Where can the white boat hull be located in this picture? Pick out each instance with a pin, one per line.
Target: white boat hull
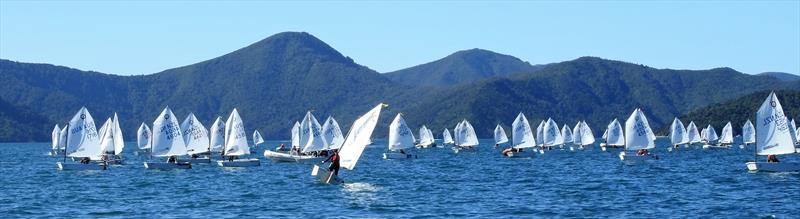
(286, 157)
(167, 166)
(458, 149)
(239, 163)
(773, 167)
(196, 160)
(325, 176)
(523, 154)
(633, 158)
(396, 155)
(709, 146)
(80, 166)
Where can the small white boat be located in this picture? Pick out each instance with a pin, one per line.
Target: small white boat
(582, 136)
(772, 138)
(446, 138)
(251, 162)
(198, 160)
(425, 137)
(81, 141)
(167, 165)
(638, 136)
(677, 134)
(521, 139)
(466, 140)
(287, 157)
(167, 141)
(325, 176)
(613, 136)
(80, 166)
(401, 138)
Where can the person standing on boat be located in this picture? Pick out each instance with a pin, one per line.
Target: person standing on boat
(334, 159)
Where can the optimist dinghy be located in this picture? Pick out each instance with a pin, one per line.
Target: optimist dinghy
(521, 139)
(638, 137)
(81, 141)
(357, 139)
(401, 138)
(236, 144)
(772, 138)
(167, 141)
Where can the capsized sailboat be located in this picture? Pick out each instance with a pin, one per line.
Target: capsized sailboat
(772, 138)
(401, 138)
(81, 141)
(167, 141)
(638, 137)
(357, 139)
(236, 144)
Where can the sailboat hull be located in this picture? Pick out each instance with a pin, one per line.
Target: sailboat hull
(239, 163)
(396, 155)
(773, 167)
(196, 160)
(325, 176)
(286, 157)
(459, 149)
(524, 154)
(167, 166)
(715, 147)
(80, 166)
(631, 158)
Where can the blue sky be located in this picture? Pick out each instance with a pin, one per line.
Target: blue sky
(148, 37)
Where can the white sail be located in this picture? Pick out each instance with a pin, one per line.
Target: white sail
(195, 135)
(457, 132)
(772, 129)
(119, 142)
(62, 138)
(103, 128)
(55, 136)
(500, 135)
(296, 135)
(586, 135)
(704, 134)
(424, 138)
(446, 137)
(637, 131)
(576, 134)
(143, 136)
(748, 133)
(167, 136)
(793, 131)
(400, 136)
(692, 133)
(566, 132)
(711, 134)
(332, 133)
(257, 139)
(540, 133)
(468, 137)
(311, 134)
(217, 137)
(359, 137)
(615, 135)
(82, 137)
(106, 138)
(430, 133)
(235, 136)
(727, 134)
(552, 135)
(521, 133)
(676, 132)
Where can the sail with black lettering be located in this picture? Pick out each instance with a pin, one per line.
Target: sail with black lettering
(772, 129)
(637, 132)
(217, 137)
(167, 136)
(82, 137)
(500, 135)
(400, 135)
(195, 135)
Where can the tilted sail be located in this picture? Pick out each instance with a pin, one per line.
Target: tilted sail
(693, 134)
(637, 132)
(257, 139)
(332, 133)
(500, 135)
(586, 135)
(676, 132)
(82, 137)
(467, 135)
(748, 133)
(540, 133)
(217, 137)
(62, 138)
(446, 137)
(119, 142)
(552, 136)
(727, 134)
(195, 135)
(359, 137)
(772, 129)
(711, 134)
(167, 136)
(521, 133)
(424, 138)
(566, 132)
(311, 134)
(615, 135)
(235, 136)
(296, 135)
(793, 131)
(143, 136)
(400, 136)
(55, 135)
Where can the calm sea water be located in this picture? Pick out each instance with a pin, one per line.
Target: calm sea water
(592, 183)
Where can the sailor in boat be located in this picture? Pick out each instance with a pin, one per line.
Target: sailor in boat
(402, 151)
(643, 152)
(334, 159)
(282, 147)
(85, 160)
(772, 158)
(172, 159)
(511, 149)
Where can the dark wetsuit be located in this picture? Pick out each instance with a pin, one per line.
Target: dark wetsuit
(334, 158)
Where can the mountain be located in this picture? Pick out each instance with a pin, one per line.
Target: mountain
(22, 124)
(588, 88)
(461, 67)
(272, 82)
(782, 76)
(739, 110)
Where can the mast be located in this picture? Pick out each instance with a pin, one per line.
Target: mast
(66, 142)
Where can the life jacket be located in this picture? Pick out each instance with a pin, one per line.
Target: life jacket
(335, 158)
